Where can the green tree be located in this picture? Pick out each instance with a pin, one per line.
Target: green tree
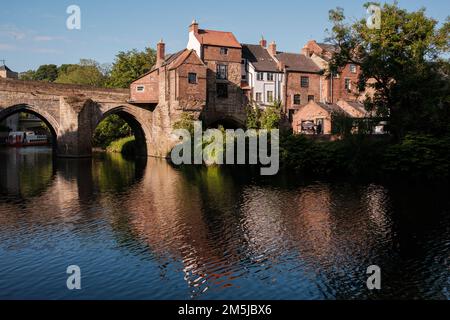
(401, 62)
(111, 129)
(271, 116)
(253, 117)
(87, 72)
(27, 75)
(46, 72)
(129, 65)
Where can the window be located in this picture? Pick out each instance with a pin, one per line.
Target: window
(222, 90)
(243, 61)
(353, 68)
(269, 96)
(224, 51)
(222, 72)
(244, 77)
(311, 98)
(297, 99)
(258, 97)
(260, 76)
(304, 81)
(348, 84)
(140, 88)
(192, 78)
(269, 76)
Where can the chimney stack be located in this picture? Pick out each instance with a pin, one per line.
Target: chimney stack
(160, 53)
(273, 48)
(306, 52)
(263, 42)
(194, 26)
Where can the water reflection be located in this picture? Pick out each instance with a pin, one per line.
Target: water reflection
(143, 229)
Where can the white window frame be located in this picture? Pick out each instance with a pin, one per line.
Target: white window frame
(349, 87)
(260, 76)
(267, 96)
(140, 88)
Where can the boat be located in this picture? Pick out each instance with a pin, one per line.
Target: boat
(26, 139)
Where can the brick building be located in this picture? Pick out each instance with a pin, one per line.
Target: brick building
(340, 86)
(222, 54)
(216, 77)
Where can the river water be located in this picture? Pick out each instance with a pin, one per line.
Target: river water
(142, 229)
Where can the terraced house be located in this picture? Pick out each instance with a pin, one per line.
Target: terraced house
(217, 77)
(262, 75)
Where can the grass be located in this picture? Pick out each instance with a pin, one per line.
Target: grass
(125, 146)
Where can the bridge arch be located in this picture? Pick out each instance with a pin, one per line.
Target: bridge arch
(43, 115)
(135, 121)
(227, 122)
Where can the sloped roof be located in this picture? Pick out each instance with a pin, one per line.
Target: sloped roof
(298, 62)
(357, 105)
(217, 38)
(180, 58)
(259, 57)
(328, 47)
(332, 108)
(5, 68)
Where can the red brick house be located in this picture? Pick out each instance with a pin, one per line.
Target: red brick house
(222, 54)
(301, 80)
(343, 85)
(178, 79)
(316, 118)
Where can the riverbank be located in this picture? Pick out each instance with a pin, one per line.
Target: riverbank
(125, 146)
(421, 157)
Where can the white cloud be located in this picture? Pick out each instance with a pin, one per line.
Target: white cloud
(7, 47)
(47, 38)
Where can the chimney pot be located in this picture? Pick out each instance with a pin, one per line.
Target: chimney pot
(263, 42)
(194, 26)
(273, 48)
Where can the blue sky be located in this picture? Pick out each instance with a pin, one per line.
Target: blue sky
(34, 32)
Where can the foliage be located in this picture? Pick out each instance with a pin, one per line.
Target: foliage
(419, 156)
(130, 65)
(268, 118)
(110, 129)
(253, 117)
(271, 116)
(46, 72)
(27, 75)
(186, 122)
(401, 62)
(125, 146)
(87, 72)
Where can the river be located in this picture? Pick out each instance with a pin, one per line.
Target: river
(143, 229)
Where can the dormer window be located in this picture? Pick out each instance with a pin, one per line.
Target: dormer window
(224, 51)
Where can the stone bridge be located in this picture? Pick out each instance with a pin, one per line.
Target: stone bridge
(72, 113)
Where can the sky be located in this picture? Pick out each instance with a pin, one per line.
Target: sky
(33, 33)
